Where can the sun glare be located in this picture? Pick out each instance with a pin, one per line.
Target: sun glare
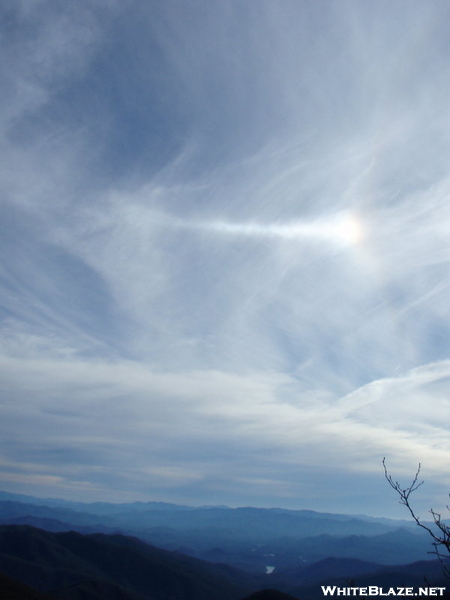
(350, 230)
(343, 229)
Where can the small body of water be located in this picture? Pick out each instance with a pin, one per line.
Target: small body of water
(269, 570)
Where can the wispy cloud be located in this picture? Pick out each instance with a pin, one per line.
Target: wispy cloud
(225, 237)
(169, 431)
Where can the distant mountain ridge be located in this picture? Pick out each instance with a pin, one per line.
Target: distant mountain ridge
(371, 525)
(92, 507)
(248, 538)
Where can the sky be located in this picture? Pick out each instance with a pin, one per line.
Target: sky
(225, 239)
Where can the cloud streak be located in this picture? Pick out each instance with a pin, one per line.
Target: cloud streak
(342, 229)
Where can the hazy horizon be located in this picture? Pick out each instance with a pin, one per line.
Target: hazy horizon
(225, 231)
(406, 517)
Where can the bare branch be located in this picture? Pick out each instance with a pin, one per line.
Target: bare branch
(441, 536)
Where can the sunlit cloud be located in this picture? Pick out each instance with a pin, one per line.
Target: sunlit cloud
(346, 230)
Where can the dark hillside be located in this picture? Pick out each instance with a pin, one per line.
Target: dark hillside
(323, 570)
(269, 594)
(13, 590)
(72, 565)
(98, 589)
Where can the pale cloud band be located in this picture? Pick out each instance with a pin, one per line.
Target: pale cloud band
(342, 229)
(184, 428)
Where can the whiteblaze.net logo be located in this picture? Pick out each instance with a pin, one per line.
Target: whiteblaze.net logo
(374, 590)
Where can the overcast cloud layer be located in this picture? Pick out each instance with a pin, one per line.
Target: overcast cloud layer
(225, 230)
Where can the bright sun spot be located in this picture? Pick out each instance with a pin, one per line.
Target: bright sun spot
(350, 230)
(343, 229)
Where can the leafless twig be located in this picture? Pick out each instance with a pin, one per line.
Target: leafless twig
(441, 535)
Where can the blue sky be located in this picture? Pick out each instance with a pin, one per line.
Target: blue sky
(225, 230)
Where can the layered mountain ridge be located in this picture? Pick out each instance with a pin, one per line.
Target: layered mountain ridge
(155, 551)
